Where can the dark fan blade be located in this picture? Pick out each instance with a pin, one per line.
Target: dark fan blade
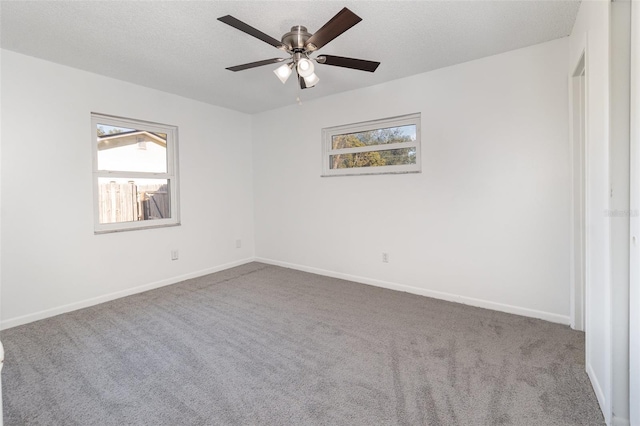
(236, 23)
(302, 83)
(356, 64)
(256, 64)
(340, 23)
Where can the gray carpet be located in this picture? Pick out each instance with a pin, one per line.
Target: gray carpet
(264, 345)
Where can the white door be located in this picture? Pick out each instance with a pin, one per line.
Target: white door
(634, 261)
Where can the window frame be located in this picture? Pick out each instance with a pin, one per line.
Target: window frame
(402, 120)
(171, 175)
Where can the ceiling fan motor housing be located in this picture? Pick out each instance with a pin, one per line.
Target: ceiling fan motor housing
(296, 38)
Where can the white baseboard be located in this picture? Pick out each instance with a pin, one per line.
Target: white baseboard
(561, 319)
(618, 421)
(597, 389)
(548, 316)
(24, 319)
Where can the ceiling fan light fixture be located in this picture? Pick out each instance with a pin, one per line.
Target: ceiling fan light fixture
(305, 67)
(283, 72)
(311, 80)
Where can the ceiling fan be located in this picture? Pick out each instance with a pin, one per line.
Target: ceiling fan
(299, 44)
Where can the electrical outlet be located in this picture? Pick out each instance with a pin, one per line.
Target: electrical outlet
(238, 243)
(385, 257)
(174, 254)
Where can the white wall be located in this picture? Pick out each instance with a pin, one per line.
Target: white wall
(1, 347)
(591, 29)
(52, 261)
(487, 220)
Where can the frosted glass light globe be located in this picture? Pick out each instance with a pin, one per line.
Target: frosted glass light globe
(283, 72)
(305, 67)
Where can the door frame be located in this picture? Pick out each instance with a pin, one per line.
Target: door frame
(579, 289)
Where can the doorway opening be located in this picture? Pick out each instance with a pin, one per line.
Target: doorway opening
(578, 153)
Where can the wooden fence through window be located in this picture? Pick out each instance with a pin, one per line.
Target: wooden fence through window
(128, 202)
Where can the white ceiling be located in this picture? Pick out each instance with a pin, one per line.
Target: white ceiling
(180, 47)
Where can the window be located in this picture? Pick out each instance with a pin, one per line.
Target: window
(390, 145)
(135, 173)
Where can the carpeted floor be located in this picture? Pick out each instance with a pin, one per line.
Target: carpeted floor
(263, 345)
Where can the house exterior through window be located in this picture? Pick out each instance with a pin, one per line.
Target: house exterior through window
(135, 174)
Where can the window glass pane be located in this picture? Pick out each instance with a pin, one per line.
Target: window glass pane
(375, 137)
(131, 150)
(132, 200)
(390, 157)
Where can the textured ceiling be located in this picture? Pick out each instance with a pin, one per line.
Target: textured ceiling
(180, 47)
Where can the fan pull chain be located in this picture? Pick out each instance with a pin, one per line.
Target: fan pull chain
(298, 101)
